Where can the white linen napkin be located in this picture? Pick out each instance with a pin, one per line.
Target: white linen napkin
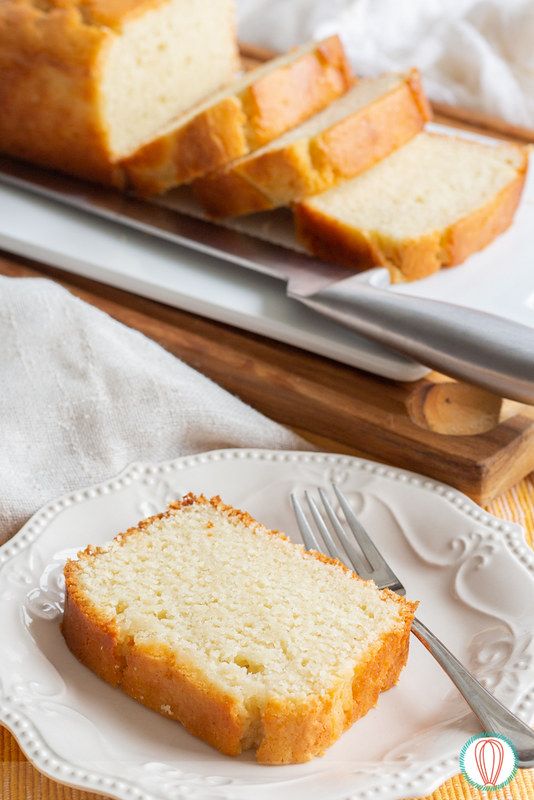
(82, 396)
(478, 54)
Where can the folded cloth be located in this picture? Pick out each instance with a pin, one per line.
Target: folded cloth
(82, 396)
(478, 54)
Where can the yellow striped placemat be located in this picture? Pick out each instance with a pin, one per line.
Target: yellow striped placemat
(20, 781)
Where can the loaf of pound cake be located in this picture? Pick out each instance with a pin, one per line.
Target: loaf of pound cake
(84, 83)
(251, 642)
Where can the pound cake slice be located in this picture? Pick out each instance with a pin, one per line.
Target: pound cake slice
(257, 108)
(248, 640)
(431, 204)
(84, 83)
(369, 122)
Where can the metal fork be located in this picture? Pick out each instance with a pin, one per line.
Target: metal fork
(367, 562)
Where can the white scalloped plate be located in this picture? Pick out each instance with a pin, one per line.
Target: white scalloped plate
(473, 574)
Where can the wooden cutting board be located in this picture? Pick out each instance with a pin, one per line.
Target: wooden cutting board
(446, 430)
(450, 431)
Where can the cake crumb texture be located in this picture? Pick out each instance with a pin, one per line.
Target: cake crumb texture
(429, 205)
(250, 641)
(370, 121)
(247, 114)
(85, 82)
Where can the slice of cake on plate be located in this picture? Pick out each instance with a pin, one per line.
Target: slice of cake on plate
(248, 640)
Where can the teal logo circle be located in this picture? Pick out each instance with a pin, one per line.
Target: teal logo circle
(488, 761)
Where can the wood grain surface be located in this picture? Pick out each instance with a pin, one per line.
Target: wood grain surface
(451, 431)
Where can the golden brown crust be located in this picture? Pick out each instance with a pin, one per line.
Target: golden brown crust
(282, 732)
(90, 636)
(228, 194)
(480, 228)
(309, 166)
(335, 241)
(212, 138)
(240, 123)
(154, 677)
(364, 138)
(298, 733)
(332, 240)
(49, 63)
(110, 13)
(282, 99)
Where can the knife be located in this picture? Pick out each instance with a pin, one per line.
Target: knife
(474, 346)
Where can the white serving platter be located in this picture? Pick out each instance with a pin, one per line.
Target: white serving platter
(473, 575)
(499, 280)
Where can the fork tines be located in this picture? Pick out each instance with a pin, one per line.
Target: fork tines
(342, 536)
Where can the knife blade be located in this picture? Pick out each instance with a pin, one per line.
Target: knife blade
(305, 275)
(467, 344)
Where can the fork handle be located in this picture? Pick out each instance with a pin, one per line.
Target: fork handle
(492, 715)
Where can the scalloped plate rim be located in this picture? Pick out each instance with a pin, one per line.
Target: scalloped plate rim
(102, 784)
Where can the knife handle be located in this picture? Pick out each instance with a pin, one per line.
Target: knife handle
(480, 348)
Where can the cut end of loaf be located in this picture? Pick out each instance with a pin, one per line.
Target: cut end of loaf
(263, 644)
(164, 62)
(85, 83)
